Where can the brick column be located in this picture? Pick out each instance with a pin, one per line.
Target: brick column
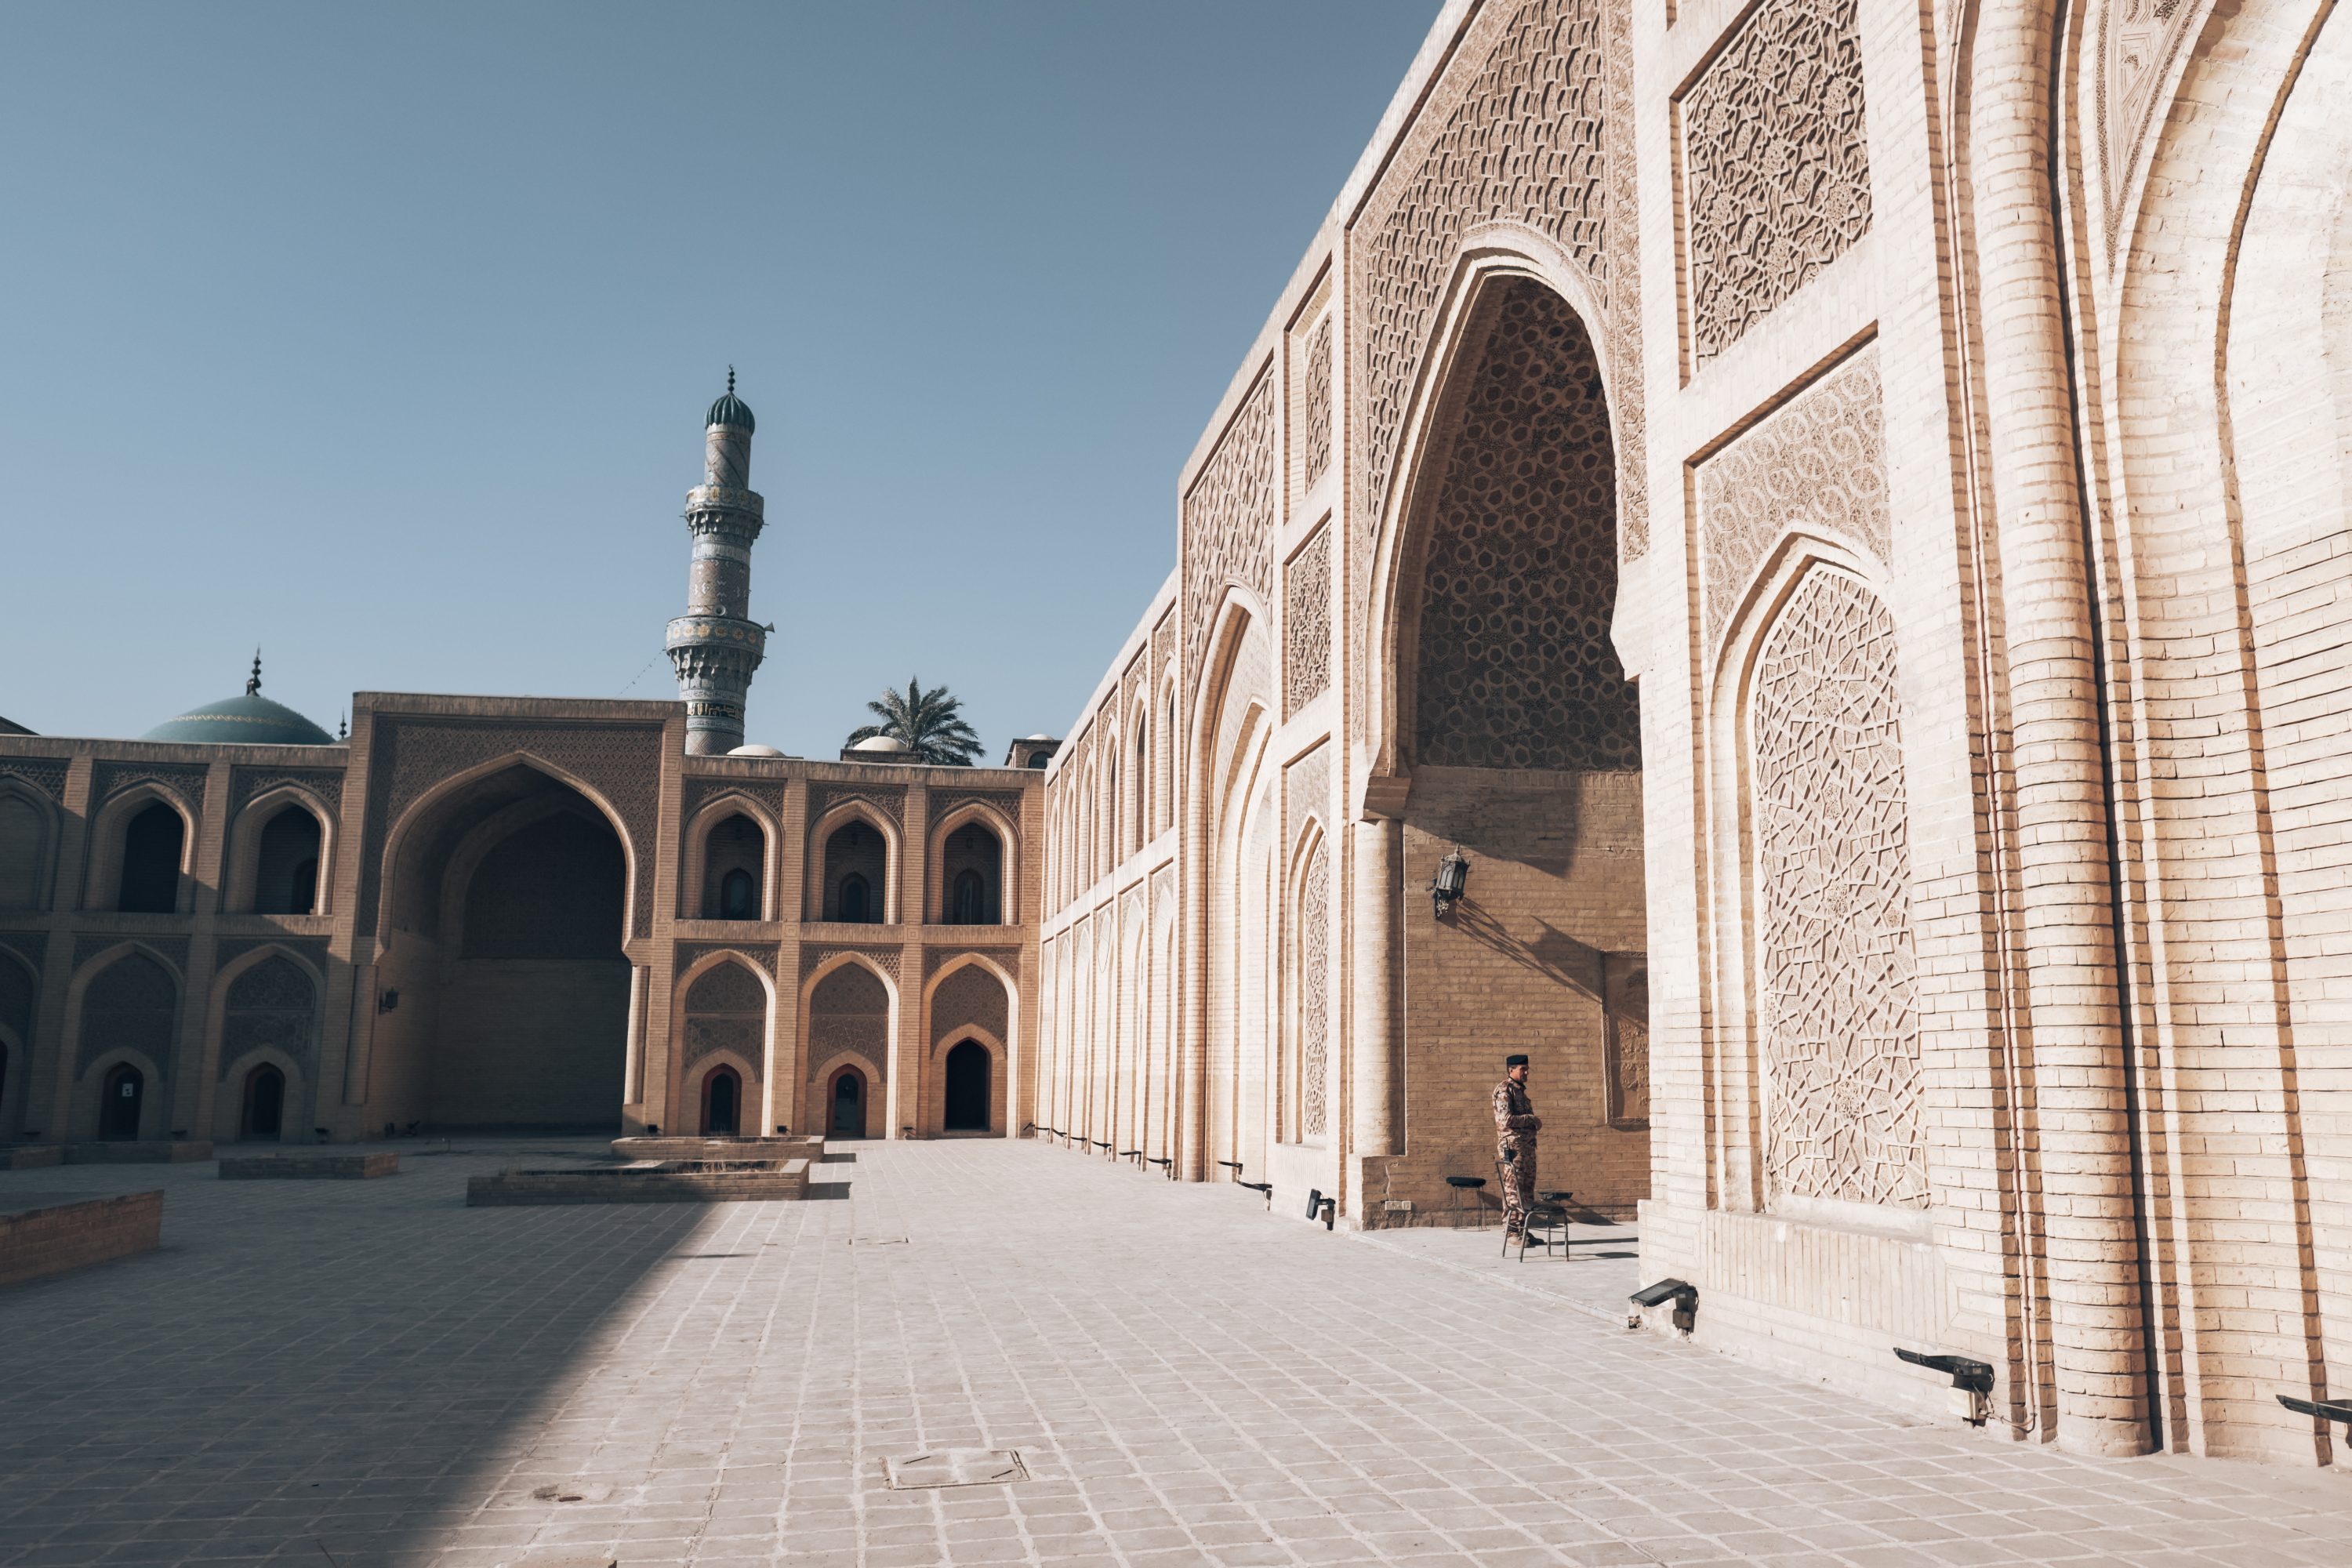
(1372, 1034)
(2075, 1023)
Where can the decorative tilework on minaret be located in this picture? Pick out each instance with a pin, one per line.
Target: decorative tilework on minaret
(715, 646)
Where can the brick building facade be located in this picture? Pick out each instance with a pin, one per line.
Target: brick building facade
(521, 917)
(1837, 512)
(1834, 510)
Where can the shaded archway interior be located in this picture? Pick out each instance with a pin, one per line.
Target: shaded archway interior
(1522, 735)
(507, 906)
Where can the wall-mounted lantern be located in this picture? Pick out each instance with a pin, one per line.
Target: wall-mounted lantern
(1446, 887)
(389, 1001)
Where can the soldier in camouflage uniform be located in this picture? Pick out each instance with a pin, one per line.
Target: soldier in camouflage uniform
(1516, 1126)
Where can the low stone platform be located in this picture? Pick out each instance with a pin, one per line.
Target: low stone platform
(648, 1182)
(308, 1167)
(696, 1147)
(142, 1152)
(32, 1156)
(49, 1233)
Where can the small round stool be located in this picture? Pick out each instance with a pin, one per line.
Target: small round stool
(1469, 1187)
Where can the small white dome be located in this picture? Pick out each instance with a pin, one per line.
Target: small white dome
(755, 752)
(1040, 735)
(881, 743)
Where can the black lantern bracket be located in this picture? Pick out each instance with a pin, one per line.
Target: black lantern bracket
(1453, 879)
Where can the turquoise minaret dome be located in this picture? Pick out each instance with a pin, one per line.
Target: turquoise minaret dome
(251, 719)
(716, 646)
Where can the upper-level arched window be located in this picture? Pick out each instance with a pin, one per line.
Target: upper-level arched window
(971, 868)
(24, 851)
(286, 873)
(152, 842)
(856, 857)
(1137, 829)
(734, 862)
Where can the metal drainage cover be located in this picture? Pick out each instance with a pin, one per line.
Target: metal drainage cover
(955, 1467)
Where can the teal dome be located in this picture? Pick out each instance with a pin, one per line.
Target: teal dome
(251, 719)
(731, 410)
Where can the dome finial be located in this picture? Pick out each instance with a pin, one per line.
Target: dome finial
(730, 410)
(253, 681)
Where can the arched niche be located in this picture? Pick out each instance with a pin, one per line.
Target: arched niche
(1811, 852)
(20, 989)
(504, 917)
(849, 1015)
(726, 1015)
(853, 866)
(1497, 693)
(971, 998)
(28, 839)
(729, 862)
(266, 1010)
(1234, 779)
(972, 878)
(1304, 1079)
(123, 1010)
(143, 845)
(280, 855)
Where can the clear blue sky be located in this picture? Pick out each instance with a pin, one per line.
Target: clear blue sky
(381, 336)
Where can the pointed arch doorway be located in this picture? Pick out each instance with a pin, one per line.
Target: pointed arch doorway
(845, 1105)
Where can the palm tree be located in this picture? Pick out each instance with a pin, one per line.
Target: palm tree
(930, 722)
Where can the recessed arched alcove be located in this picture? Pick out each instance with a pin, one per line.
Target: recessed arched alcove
(1514, 719)
(503, 996)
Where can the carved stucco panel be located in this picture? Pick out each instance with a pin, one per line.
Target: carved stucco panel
(971, 997)
(46, 774)
(1306, 623)
(1519, 130)
(1316, 436)
(1315, 993)
(1836, 970)
(1229, 519)
(1818, 462)
(1776, 164)
(1515, 666)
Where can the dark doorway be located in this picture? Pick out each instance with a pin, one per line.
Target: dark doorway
(285, 872)
(151, 862)
(738, 896)
(265, 1101)
(848, 1118)
(722, 1102)
(967, 1108)
(125, 1092)
(854, 899)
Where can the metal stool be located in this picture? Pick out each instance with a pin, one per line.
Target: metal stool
(1472, 1187)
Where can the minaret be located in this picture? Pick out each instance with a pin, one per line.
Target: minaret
(714, 645)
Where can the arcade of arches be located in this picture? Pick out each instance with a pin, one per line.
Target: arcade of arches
(1892, 739)
(1864, 619)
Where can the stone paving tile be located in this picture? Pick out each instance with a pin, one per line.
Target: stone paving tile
(372, 1371)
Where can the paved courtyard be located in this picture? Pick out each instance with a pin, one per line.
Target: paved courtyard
(372, 1374)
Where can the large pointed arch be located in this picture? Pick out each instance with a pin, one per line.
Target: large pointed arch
(1493, 258)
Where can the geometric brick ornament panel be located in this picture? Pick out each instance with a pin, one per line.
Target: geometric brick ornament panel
(1516, 668)
(1838, 978)
(1816, 464)
(1777, 163)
